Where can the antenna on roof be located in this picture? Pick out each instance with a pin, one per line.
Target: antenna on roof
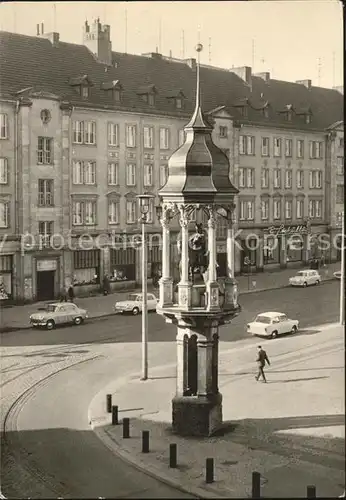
(209, 50)
(319, 71)
(183, 45)
(253, 55)
(333, 69)
(125, 30)
(160, 22)
(54, 17)
(14, 18)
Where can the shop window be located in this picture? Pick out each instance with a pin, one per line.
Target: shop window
(86, 267)
(271, 250)
(123, 264)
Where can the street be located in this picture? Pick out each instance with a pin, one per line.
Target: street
(50, 377)
(311, 306)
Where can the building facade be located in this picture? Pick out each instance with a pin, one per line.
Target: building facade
(82, 137)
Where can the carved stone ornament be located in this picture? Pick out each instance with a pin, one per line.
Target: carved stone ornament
(183, 297)
(211, 216)
(214, 296)
(184, 216)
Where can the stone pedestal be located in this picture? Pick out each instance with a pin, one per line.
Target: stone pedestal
(166, 292)
(197, 415)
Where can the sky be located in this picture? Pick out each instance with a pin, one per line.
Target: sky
(293, 39)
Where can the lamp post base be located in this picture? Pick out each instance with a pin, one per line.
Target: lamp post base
(197, 415)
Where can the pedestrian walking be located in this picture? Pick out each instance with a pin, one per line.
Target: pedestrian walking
(70, 294)
(261, 360)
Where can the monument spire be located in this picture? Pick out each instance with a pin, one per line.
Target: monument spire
(197, 121)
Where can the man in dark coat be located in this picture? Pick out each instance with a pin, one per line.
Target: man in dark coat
(261, 360)
(70, 292)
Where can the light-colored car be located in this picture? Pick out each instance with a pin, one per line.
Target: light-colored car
(272, 324)
(337, 275)
(306, 278)
(58, 313)
(133, 303)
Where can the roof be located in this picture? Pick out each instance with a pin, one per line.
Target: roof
(30, 61)
(271, 314)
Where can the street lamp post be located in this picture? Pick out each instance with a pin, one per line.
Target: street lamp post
(144, 207)
(342, 280)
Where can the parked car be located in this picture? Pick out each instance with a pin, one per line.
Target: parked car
(272, 324)
(133, 303)
(58, 313)
(306, 278)
(337, 275)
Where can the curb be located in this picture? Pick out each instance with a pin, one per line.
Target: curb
(138, 463)
(8, 329)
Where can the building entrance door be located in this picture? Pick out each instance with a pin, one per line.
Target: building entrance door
(45, 285)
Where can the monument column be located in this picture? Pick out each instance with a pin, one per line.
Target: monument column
(182, 361)
(166, 281)
(212, 286)
(184, 285)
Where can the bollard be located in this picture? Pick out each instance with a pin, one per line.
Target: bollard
(115, 419)
(145, 441)
(126, 428)
(173, 456)
(209, 470)
(256, 485)
(109, 403)
(311, 491)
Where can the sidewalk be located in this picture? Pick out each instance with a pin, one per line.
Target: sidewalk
(290, 430)
(17, 317)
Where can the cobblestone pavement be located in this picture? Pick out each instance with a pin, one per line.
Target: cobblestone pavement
(17, 317)
(291, 430)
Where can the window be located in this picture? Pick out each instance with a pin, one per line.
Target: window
(246, 145)
(223, 132)
(78, 132)
(45, 231)
(277, 146)
(4, 214)
(3, 171)
(264, 209)
(77, 217)
(288, 209)
(84, 91)
(265, 146)
(151, 99)
(340, 165)
(315, 149)
(340, 193)
(300, 179)
(181, 137)
(131, 136)
(178, 102)
(130, 174)
(90, 172)
(131, 211)
(89, 213)
(164, 138)
(341, 142)
(300, 209)
(277, 209)
(300, 148)
(163, 174)
(78, 172)
(288, 148)
(246, 177)
(148, 137)
(246, 210)
(266, 112)
(307, 119)
(113, 169)
(45, 192)
(315, 179)
(3, 126)
(44, 151)
(288, 179)
(90, 132)
(265, 178)
(113, 212)
(315, 209)
(148, 175)
(117, 95)
(277, 178)
(113, 134)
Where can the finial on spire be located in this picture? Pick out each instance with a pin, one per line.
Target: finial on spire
(197, 120)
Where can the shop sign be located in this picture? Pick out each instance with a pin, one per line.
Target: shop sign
(46, 265)
(287, 230)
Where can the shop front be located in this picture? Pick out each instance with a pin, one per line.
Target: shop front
(86, 271)
(285, 246)
(122, 267)
(47, 279)
(6, 278)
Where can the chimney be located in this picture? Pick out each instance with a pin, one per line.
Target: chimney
(42, 28)
(170, 54)
(52, 37)
(306, 83)
(191, 63)
(37, 29)
(265, 76)
(97, 39)
(244, 72)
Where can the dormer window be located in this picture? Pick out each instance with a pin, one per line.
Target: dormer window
(147, 94)
(82, 85)
(306, 114)
(177, 97)
(265, 112)
(308, 119)
(113, 89)
(241, 105)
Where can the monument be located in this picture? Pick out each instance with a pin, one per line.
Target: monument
(198, 182)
